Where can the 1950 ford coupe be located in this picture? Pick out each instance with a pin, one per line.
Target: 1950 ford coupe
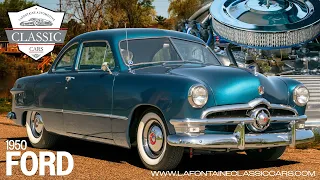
(163, 92)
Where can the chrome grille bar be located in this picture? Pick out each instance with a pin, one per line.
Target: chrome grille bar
(251, 105)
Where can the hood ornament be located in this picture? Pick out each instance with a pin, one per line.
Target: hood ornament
(266, 24)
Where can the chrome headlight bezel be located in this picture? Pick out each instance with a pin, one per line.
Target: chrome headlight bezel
(191, 96)
(297, 93)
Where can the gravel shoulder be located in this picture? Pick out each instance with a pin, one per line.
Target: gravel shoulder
(100, 161)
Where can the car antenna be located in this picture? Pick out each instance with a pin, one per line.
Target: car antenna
(125, 26)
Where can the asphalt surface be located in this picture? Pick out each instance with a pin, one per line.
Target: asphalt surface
(100, 161)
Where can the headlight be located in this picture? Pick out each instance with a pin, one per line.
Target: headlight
(301, 95)
(198, 96)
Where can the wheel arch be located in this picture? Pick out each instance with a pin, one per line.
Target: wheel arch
(134, 121)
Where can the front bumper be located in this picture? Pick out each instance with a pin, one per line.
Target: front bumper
(240, 139)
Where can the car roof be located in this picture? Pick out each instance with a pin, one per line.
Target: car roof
(116, 35)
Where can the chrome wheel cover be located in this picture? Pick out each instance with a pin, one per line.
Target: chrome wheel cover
(36, 125)
(153, 139)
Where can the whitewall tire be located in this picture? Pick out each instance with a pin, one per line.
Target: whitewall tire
(37, 134)
(152, 145)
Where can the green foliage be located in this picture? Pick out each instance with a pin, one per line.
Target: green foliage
(12, 68)
(17, 67)
(135, 13)
(12, 6)
(5, 105)
(183, 9)
(161, 20)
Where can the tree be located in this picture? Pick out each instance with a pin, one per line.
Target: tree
(88, 12)
(135, 13)
(12, 6)
(161, 20)
(183, 9)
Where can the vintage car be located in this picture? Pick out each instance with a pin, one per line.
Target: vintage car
(36, 22)
(161, 91)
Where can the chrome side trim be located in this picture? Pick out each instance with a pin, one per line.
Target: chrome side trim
(72, 112)
(39, 109)
(251, 105)
(95, 114)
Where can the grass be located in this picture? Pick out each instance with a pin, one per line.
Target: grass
(5, 105)
(313, 145)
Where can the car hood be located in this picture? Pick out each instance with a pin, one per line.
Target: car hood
(230, 85)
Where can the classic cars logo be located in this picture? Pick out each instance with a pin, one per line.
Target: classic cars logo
(36, 30)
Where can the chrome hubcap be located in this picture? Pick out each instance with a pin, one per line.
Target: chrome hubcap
(153, 138)
(36, 125)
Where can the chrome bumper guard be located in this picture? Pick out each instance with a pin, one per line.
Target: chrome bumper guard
(195, 138)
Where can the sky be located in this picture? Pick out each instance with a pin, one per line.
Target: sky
(161, 6)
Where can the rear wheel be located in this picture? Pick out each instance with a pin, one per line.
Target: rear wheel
(153, 149)
(271, 154)
(37, 134)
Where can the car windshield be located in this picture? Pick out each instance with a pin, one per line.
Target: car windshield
(158, 50)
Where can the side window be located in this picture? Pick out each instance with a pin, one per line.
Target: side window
(94, 54)
(67, 59)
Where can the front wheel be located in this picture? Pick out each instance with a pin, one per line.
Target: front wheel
(271, 154)
(153, 149)
(37, 134)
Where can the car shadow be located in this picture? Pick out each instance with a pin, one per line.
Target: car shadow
(214, 162)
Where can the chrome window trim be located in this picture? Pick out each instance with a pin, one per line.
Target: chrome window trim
(80, 52)
(72, 112)
(62, 54)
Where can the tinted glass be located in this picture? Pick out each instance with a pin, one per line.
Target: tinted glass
(148, 51)
(94, 54)
(194, 52)
(67, 59)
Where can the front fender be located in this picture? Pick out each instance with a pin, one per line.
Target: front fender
(291, 84)
(168, 93)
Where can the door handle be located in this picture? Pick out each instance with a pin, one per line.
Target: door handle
(69, 78)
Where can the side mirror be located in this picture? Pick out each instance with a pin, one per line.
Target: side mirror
(105, 67)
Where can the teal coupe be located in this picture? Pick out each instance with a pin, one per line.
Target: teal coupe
(164, 92)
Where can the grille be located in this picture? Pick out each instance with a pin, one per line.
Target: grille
(244, 113)
(218, 129)
(229, 128)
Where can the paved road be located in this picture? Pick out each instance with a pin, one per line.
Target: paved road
(99, 161)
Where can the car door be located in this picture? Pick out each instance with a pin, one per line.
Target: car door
(49, 90)
(88, 95)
